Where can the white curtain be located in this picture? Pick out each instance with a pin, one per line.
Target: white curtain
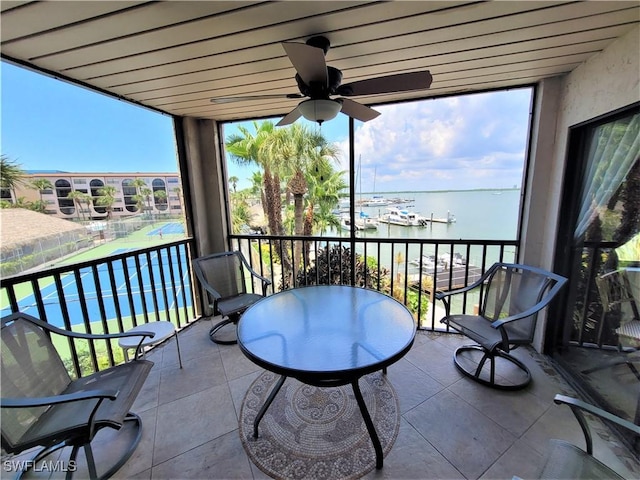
(612, 150)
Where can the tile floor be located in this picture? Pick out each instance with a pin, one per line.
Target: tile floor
(451, 427)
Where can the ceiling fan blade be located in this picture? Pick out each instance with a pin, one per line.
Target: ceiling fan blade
(290, 117)
(308, 61)
(357, 110)
(401, 82)
(255, 97)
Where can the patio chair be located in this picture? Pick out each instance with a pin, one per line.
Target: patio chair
(618, 302)
(510, 297)
(224, 276)
(43, 406)
(566, 460)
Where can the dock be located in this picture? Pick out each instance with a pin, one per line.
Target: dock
(457, 274)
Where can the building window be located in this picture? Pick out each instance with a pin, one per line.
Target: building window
(159, 194)
(63, 189)
(96, 185)
(129, 192)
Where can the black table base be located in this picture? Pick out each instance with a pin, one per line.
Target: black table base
(377, 446)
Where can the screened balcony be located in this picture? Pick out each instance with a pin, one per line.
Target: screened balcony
(580, 59)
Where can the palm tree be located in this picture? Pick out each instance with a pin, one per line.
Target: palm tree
(297, 149)
(146, 193)
(256, 189)
(11, 175)
(325, 190)
(178, 192)
(234, 182)
(41, 184)
(107, 198)
(247, 149)
(139, 184)
(78, 198)
(161, 198)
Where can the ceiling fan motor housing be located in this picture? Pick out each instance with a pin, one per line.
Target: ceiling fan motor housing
(319, 90)
(319, 42)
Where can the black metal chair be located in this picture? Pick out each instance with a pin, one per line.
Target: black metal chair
(43, 406)
(566, 460)
(509, 299)
(619, 308)
(225, 276)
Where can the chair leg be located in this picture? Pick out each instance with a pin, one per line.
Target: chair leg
(131, 418)
(475, 372)
(231, 319)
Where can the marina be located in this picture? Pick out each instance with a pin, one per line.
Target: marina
(459, 277)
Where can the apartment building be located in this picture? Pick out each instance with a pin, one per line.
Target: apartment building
(161, 193)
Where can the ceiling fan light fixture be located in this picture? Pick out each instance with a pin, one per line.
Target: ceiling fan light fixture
(319, 110)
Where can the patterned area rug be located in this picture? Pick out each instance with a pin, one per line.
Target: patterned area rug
(318, 433)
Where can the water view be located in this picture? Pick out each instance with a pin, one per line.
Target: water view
(479, 214)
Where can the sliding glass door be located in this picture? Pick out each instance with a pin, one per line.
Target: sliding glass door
(600, 252)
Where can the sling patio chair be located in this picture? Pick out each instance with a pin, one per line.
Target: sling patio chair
(566, 460)
(42, 406)
(224, 276)
(509, 298)
(620, 308)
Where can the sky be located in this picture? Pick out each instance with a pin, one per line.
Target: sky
(48, 124)
(476, 141)
(454, 143)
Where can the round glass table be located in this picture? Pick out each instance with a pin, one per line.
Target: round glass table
(326, 335)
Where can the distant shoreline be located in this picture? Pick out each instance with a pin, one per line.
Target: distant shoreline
(445, 191)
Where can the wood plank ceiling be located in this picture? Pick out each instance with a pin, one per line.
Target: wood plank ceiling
(176, 56)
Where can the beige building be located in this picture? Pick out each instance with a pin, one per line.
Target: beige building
(58, 203)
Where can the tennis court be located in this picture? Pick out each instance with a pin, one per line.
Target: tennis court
(169, 228)
(152, 284)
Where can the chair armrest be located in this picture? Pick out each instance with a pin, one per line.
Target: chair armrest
(477, 283)
(443, 295)
(57, 399)
(548, 297)
(265, 281)
(577, 406)
(86, 336)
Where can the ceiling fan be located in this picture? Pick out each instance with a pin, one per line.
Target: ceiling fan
(319, 82)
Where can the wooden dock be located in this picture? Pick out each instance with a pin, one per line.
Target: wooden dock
(456, 277)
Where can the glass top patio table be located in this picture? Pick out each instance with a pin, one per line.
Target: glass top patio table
(326, 335)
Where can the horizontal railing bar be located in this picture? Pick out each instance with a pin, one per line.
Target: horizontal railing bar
(24, 277)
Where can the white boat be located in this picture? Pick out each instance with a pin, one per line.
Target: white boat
(363, 222)
(444, 262)
(376, 201)
(406, 218)
(429, 264)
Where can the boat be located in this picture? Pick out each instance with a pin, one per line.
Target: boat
(430, 264)
(375, 201)
(444, 262)
(365, 222)
(362, 222)
(406, 218)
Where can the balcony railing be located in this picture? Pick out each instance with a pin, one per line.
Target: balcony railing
(406, 268)
(110, 294)
(118, 292)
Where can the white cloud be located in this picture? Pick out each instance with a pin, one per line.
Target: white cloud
(472, 141)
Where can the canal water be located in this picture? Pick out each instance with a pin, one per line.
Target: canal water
(480, 215)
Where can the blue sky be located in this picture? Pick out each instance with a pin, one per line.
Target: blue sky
(48, 124)
(466, 142)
